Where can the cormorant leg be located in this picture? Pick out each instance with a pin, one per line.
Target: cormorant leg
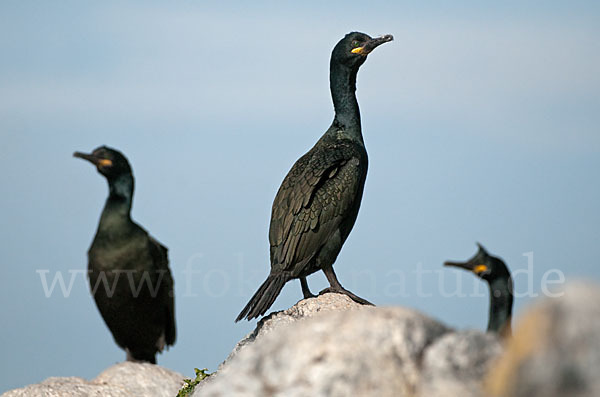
(337, 287)
(305, 289)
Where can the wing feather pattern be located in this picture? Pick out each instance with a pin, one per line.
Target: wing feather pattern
(317, 194)
(160, 258)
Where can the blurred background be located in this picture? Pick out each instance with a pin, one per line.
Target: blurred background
(480, 119)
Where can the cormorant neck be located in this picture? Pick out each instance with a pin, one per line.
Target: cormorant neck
(120, 196)
(501, 301)
(342, 81)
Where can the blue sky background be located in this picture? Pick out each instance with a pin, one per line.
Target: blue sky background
(480, 119)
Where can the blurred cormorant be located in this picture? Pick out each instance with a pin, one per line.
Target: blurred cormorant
(496, 274)
(318, 201)
(128, 269)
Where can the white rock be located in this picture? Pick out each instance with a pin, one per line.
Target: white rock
(120, 380)
(366, 351)
(555, 351)
(456, 364)
(303, 309)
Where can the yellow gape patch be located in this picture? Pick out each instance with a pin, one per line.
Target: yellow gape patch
(358, 50)
(479, 269)
(105, 163)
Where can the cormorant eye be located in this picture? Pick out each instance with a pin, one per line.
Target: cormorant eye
(355, 44)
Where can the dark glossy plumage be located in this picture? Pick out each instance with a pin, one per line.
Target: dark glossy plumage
(495, 272)
(318, 201)
(128, 269)
(320, 197)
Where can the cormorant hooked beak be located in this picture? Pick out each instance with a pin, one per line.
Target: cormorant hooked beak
(98, 162)
(474, 264)
(471, 265)
(372, 44)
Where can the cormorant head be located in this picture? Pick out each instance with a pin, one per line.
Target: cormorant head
(110, 162)
(353, 49)
(483, 265)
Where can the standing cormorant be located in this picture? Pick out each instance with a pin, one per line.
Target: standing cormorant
(128, 269)
(494, 271)
(318, 201)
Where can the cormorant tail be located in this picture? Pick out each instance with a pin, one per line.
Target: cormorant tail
(262, 300)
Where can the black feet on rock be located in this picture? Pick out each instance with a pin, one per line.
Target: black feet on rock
(355, 298)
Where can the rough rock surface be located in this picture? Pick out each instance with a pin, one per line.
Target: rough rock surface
(555, 351)
(456, 364)
(367, 351)
(303, 309)
(330, 346)
(120, 380)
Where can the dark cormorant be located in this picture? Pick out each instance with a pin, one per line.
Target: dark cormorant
(128, 270)
(494, 271)
(318, 201)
